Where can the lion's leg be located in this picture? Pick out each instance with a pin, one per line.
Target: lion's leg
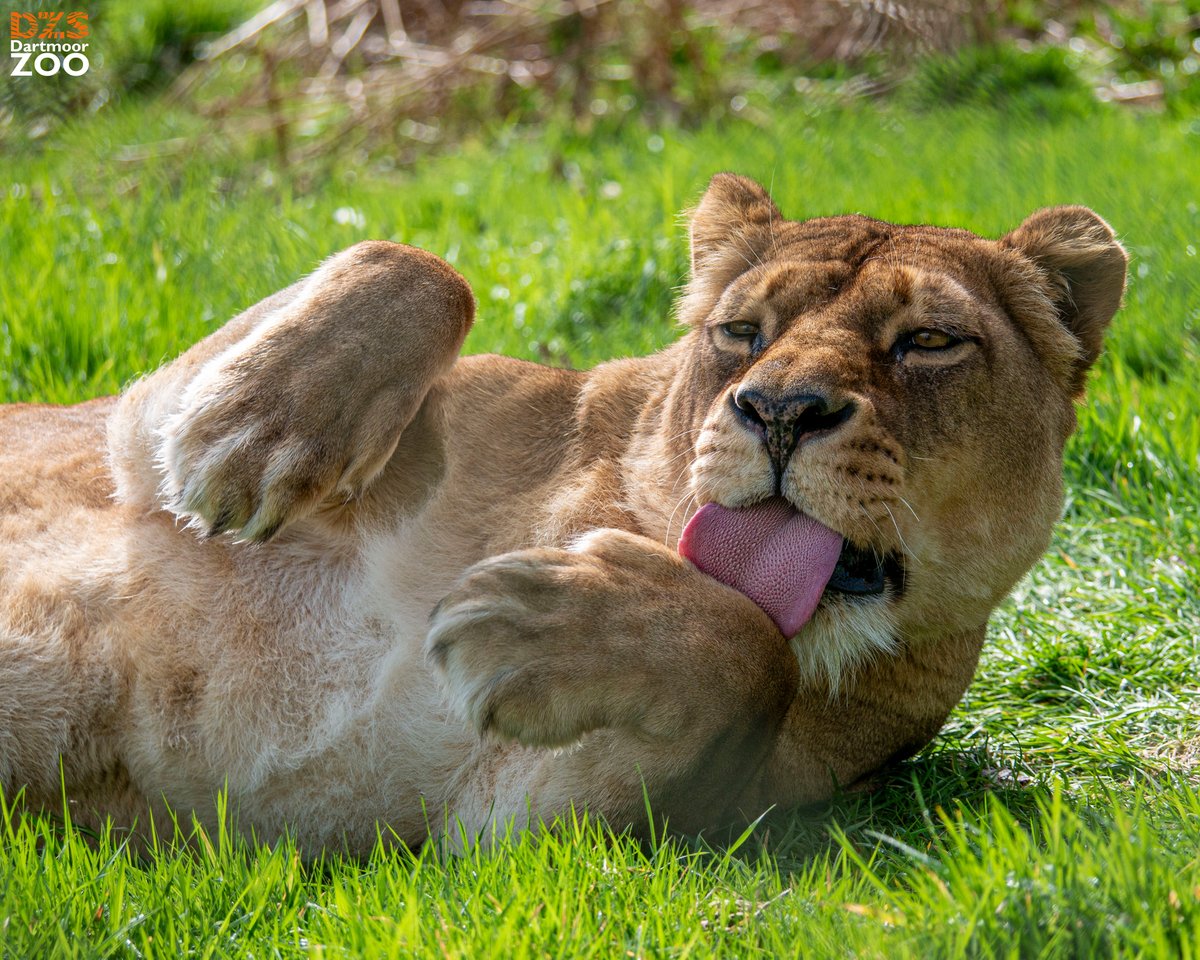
(299, 401)
(679, 683)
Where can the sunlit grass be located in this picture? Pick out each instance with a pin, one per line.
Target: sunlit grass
(1115, 876)
(1057, 812)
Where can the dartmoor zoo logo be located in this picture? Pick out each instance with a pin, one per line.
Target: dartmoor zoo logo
(47, 42)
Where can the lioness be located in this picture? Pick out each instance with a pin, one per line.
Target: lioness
(325, 562)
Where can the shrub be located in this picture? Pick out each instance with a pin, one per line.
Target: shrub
(1042, 79)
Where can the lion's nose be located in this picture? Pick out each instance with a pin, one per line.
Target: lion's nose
(785, 422)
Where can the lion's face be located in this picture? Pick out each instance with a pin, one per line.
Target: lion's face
(909, 387)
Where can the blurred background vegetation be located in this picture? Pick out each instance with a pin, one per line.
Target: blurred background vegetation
(299, 82)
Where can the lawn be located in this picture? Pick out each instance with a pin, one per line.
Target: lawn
(1057, 814)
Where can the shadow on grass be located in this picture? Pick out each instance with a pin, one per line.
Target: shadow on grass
(903, 803)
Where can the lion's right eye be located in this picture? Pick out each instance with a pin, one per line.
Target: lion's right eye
(740, 329)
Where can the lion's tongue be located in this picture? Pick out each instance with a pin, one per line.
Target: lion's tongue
(780, 558)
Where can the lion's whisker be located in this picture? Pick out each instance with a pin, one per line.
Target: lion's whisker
(771, 217)
(674, 486)
(749, 262)
(910, 509)
(686, 498)
(757, 262)
(899, 535)
(874, 522)
(686, 453)
(683, 433)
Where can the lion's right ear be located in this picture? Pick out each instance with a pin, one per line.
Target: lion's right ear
(730, 232)
(731, 221)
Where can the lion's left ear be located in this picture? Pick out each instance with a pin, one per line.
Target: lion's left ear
(1086, 266)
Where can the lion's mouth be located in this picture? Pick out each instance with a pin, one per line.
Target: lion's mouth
(864, 573)
(784, 560)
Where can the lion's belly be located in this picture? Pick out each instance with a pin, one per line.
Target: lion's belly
(297, 680)
(156, 664)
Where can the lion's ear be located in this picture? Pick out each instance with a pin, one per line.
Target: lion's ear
(1086, 266)
(731, 222)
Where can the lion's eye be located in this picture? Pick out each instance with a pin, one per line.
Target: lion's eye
(928, 339)
(740, 329)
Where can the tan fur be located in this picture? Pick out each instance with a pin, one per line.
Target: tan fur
(317, 556)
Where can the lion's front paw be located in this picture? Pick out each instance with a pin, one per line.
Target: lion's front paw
(544, 645)
(504, 639)
(252, 451)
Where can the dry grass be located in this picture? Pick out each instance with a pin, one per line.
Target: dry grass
(363, 69)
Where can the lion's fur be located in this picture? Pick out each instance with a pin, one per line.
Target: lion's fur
(227, 575)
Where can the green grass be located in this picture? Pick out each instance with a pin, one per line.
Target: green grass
(1057, 814)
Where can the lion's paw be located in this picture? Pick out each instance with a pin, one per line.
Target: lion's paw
(251, 452)
(500, 639)
(544, 645)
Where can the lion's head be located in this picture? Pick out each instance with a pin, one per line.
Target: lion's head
(909, 387)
